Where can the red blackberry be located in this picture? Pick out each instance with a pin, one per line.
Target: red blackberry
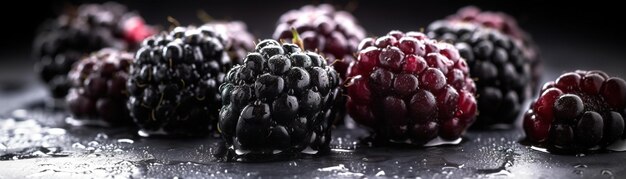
(280, 101)
(502, 72)
(99, 87)
(407, 87)
(63, 41)
(238, 41)
(174, 79)
(509, 26)
(580, 111)
(336, 34)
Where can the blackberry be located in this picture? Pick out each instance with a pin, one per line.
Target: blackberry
(238, 41)
(279, 102)
(65, 40)
(509, 26)
(174, 79)
(336, 34)
(409, 88)
(99, 87)
(502, 72)
(580, 111)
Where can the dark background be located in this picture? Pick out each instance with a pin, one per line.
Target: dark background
(571, 35)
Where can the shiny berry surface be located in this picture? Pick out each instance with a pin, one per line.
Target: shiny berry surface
(580, 111)
(406, 87)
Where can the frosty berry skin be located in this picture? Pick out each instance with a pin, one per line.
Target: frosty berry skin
(409, 88)
(279, 102)
(579, 112)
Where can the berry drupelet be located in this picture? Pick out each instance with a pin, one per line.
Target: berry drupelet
(238, 41)
(174, 79)
(579, 112)
(279, 102)
(76, 33)
(502, 72)
(336, 34)
(98, 92)
(409, 88)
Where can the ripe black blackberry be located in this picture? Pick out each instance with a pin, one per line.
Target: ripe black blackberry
(411, 89)
(280, 101)
(336, 34)
(174, 79)
(502, 72)
(580, 111)
(76, 33)
(238, 41)
(98, 92)
(509, 26)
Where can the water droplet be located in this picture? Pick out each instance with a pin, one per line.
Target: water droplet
(342, 150)
(340, 170)
(78, 146)
(580, 166)
(580, 155)
(380, 173)
(309, 150)
(619, 146)
(56, 131)
(19, 114)
(101, 137)
(438, 141)
(93, 144)
(127, 141)
(607, 172)
(375, 158)
(540, 149)
(578, 172)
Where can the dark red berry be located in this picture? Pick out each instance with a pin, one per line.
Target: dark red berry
(335, 34)
(99, 87)
(412, 89)
(581, 111)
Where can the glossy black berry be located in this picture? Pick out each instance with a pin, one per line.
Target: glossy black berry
(174, 79)
(496, 62)
(280, 101)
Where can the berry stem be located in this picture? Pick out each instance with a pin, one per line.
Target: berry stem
(296, 38)
(173, 22)
(204, 16)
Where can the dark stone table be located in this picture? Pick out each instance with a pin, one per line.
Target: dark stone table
(36, 142)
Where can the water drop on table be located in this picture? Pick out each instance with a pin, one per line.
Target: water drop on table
(127, 141)
(101, 137)
(578, 172)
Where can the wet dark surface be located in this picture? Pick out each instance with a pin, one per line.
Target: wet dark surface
(36, 142)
